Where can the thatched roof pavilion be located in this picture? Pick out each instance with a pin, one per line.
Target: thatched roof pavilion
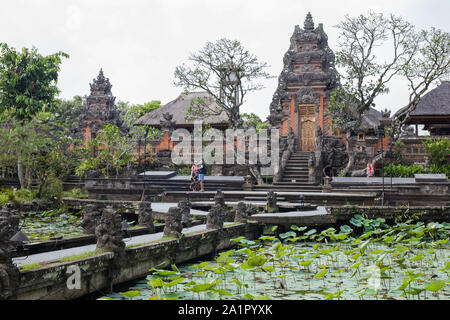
(433, 111)
(178, 109)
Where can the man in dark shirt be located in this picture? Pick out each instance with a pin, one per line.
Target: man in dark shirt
(201, 174)
(328, 171)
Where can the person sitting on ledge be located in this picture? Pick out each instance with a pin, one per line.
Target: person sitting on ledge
(327, 171)
(369, 171)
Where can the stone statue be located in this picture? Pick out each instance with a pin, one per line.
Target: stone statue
(9, 274)
(109, 236)
(173, 226)
(91, 217)
(271, 205)
(241, 213)
(167, 124)
(291, 140)
(145, 216)
(219, 198)
(407, 131)
(215, 217)
(185, 207)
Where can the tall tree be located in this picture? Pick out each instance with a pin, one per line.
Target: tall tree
(227, 72)
(27, 80)
(420, 57)
(27, 86)
(430, 65)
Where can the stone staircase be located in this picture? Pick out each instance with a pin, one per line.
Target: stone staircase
(295, 176)
(296, 170)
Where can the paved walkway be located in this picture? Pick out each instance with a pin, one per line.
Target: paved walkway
(280, 215)
(301, 218)
(56, 255)
(163, 207)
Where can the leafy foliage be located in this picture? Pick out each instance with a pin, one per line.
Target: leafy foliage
(403, 171)
(438, 150)
(114, 152)
(27, 80)
(212, 69)
(372, 260)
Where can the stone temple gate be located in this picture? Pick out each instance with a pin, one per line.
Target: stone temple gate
(304, 86)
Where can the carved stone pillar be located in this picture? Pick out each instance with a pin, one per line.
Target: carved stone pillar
(145, 217)
(248, 185)
(185, 207)
(91, 217)
(173, 225)
(241, 213)
(219, 198)
(109, 236)
(9, 274)
(215, 217)
(271, 205)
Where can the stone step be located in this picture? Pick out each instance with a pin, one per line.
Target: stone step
(262, 198)
(296, 173)
(305, 184)
(298, 178)
(296, 169)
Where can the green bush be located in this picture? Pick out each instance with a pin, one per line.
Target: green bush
(3, 199)
(75, 193)
(16, 196)
(51, 190)
(402, 171)
(440, 169)
(437, 150)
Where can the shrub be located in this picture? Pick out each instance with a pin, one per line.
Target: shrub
(3, 199)
(75, 193)
(440, 169)
(437, 150)
(402, 171)
(16, 196)
(51, 190)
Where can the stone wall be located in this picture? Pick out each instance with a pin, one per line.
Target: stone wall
(391, 213)
(50, 283)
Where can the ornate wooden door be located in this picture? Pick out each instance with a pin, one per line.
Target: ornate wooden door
(307, 128)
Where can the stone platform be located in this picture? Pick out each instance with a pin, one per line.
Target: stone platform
(318, 198)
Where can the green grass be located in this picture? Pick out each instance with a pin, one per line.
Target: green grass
(82, 255)
(136, 244)
(39, 265)
(36, 265)
(75, 193)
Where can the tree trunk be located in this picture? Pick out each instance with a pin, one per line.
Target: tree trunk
(255, 173)
(20, 173)
(28, 177)
(351, 155)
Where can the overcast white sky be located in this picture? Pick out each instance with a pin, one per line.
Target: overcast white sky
(139, 43)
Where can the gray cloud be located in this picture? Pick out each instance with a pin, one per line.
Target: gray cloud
(139, 43)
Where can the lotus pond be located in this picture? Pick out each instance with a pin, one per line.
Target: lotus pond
(41, 226)
(367, 260)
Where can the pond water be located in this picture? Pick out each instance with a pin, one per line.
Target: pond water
(369, 261)
(41, 226)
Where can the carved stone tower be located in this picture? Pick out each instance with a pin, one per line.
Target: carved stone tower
(99, 110)
(304, 87)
